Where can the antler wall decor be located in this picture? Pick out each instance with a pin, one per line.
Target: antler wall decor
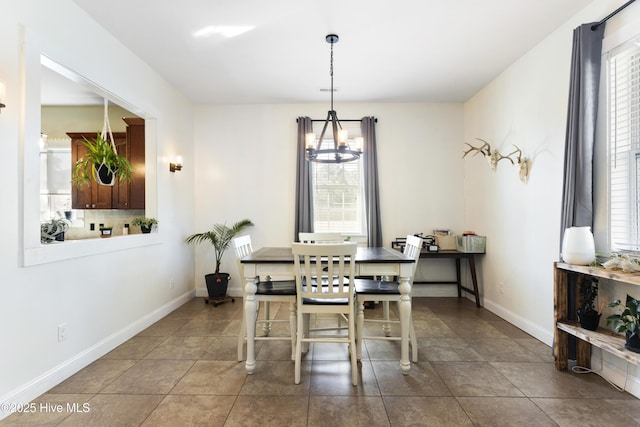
(494, 156)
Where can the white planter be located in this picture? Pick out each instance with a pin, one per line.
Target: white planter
(578, 246)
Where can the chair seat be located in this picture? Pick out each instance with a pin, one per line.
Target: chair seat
(325, 301)
(279, 287)
(368, 286)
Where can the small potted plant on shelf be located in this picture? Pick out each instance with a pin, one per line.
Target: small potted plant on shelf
(220, 237)
(588, 315)
(101, 163)
(53, 229)
(627, 322)
(144, 223)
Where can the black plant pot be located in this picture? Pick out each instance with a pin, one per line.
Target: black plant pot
(104, 174)
(589, 321)
(217, 285)
(146, 230)
(633, 343)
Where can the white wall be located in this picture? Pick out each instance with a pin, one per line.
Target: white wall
(526, 106)
(245, 168)
(104, 299)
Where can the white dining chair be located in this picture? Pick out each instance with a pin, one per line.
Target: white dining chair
(333, 264)
(267, 291)
(386, 291)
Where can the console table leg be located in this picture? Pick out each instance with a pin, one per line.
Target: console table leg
(474, 279)
(561, 350)
(458, 278)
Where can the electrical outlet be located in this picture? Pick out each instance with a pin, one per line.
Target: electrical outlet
(171, 283)
(501, 287)
(62, 332)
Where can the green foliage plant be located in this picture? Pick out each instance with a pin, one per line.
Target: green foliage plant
(100, 151)
(628, 321)
(220, 237)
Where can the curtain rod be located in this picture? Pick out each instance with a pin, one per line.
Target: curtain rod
(341, 120)
(611, 15)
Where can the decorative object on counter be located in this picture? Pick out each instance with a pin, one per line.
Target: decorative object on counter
(445, 240)
(470, 242)
(624, 262)
(145, 224)
(578, 246)
(102, 162)
(588, 315)
(53, 230)
(106, 231)
(220, 237)
(521, 162)
(627, 322)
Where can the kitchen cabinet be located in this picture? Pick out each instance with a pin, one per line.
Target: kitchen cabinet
(123, 195)
(131, 195)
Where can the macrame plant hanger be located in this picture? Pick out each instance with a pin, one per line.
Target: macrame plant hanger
(107, 136)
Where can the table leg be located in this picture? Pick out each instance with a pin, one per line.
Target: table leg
(474, 279)
(405, 318)
(458, 278)
(250, 310)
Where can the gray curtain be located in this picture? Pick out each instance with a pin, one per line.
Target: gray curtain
(577, 195)
(304, 191)
(371, 190)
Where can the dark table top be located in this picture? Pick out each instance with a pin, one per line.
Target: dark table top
(363, 255)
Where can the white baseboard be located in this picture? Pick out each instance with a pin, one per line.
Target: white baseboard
(56, 375)
(544, 335)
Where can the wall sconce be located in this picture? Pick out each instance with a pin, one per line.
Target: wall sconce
(2, 95)
(177, 166)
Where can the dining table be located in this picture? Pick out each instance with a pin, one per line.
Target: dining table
(370, 261)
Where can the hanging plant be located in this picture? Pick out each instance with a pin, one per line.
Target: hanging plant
(102, 162)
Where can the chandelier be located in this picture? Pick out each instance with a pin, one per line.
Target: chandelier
(341, 151)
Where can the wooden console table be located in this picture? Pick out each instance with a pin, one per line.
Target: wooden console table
(601, 338)
(457, 256)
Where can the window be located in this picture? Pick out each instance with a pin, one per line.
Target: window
(338, 192)
(624, 146)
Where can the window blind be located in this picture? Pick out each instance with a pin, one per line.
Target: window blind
(338, 191)
(624, 140)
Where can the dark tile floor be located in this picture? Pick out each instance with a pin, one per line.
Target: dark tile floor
(474, 369)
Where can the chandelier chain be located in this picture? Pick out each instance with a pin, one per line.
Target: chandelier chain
(331, 74)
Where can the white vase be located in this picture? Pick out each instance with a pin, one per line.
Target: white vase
(578, 246)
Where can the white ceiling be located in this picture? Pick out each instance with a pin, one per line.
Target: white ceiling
(389, 51)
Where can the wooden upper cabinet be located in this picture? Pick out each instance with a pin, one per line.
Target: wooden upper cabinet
(131, 195)
(122, 195)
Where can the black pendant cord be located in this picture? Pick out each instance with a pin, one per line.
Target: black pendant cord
(331, 74)
(611, 15)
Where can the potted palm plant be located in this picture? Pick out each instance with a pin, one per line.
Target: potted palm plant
(219, 237)
(627, 322)
(144, 223)
(101, 163)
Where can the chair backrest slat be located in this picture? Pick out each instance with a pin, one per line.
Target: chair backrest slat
(412, 249)
(324, 271)
(242, 247)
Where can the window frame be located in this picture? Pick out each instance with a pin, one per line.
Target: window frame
(354, 130)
